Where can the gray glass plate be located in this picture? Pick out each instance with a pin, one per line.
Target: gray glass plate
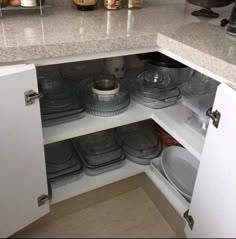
(76, 169)
(60, 120)
(147, 154)
(59, 152)
(154, 104)
(61, 114)
(97, 143)
(138, 136)
(107, 113)
(94, 172)
(102, 158)
(60, 168)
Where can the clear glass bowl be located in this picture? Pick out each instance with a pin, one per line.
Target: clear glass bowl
(154, 81)
(179, 75)
(199, 84)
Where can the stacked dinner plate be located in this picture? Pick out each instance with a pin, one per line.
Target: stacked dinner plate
(105, 96)
(59, 103)
(62, 161)
(154, 89)
(100, 152)
(179, 167)
(139, 142)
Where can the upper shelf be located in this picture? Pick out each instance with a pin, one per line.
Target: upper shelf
(172, 119)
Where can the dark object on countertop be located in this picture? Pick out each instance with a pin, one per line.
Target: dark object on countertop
(231, 28)
(42, 2)
(207, 5)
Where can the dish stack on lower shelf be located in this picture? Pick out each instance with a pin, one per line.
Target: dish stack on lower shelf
(107, 150)
(139, 142)
(99, 152)
(179, 168)
(62, 161)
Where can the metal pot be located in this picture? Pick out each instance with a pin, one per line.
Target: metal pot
(176, 70)
(211, 3)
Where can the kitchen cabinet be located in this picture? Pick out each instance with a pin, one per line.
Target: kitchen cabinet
(23, 175)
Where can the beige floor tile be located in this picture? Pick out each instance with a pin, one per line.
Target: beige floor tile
(132, 214)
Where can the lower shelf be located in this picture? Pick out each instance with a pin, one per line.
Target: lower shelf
(66, 189)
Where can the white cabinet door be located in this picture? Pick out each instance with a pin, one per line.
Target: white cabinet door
(22, 163)
(213, 205)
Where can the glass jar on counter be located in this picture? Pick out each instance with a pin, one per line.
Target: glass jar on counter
(113, 4)
(132, 4)
(85, 5)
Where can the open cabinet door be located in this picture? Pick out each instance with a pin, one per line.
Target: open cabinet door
(22, 165)
(213, 206)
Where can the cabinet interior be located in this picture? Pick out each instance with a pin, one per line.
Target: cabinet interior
(173, 119)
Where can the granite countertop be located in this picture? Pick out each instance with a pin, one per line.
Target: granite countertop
(167, 24)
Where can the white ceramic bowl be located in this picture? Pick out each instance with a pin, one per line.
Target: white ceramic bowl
(106, 92)
(28, 3)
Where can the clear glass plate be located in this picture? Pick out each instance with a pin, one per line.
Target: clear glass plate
(163, 95)
(64, 119)
(138, 137)
(62, 114)
(74, 170)
(97, 143)
(61, 160)
(151, 103)
(107, 113)
(154, 152)
(96, 160)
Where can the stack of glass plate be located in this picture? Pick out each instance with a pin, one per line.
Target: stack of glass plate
(100, 152)
(154, 89)
(59, 103)
(104, 105)
(139, 142)
(62, 161)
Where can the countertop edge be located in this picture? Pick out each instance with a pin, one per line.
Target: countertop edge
(197, 59)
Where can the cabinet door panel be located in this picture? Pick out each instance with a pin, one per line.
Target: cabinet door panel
(22, 164)
(213, 205)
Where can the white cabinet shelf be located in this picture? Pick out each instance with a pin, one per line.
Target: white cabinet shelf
(65, 189)
(172, 119)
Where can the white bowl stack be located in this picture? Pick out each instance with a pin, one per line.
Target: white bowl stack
(28, 3)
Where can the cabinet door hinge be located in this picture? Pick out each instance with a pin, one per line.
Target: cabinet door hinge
(31, 96)
(42, 199)
(215, 116)
(189, 219)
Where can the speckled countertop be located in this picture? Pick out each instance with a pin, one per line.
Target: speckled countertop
(161, 23)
